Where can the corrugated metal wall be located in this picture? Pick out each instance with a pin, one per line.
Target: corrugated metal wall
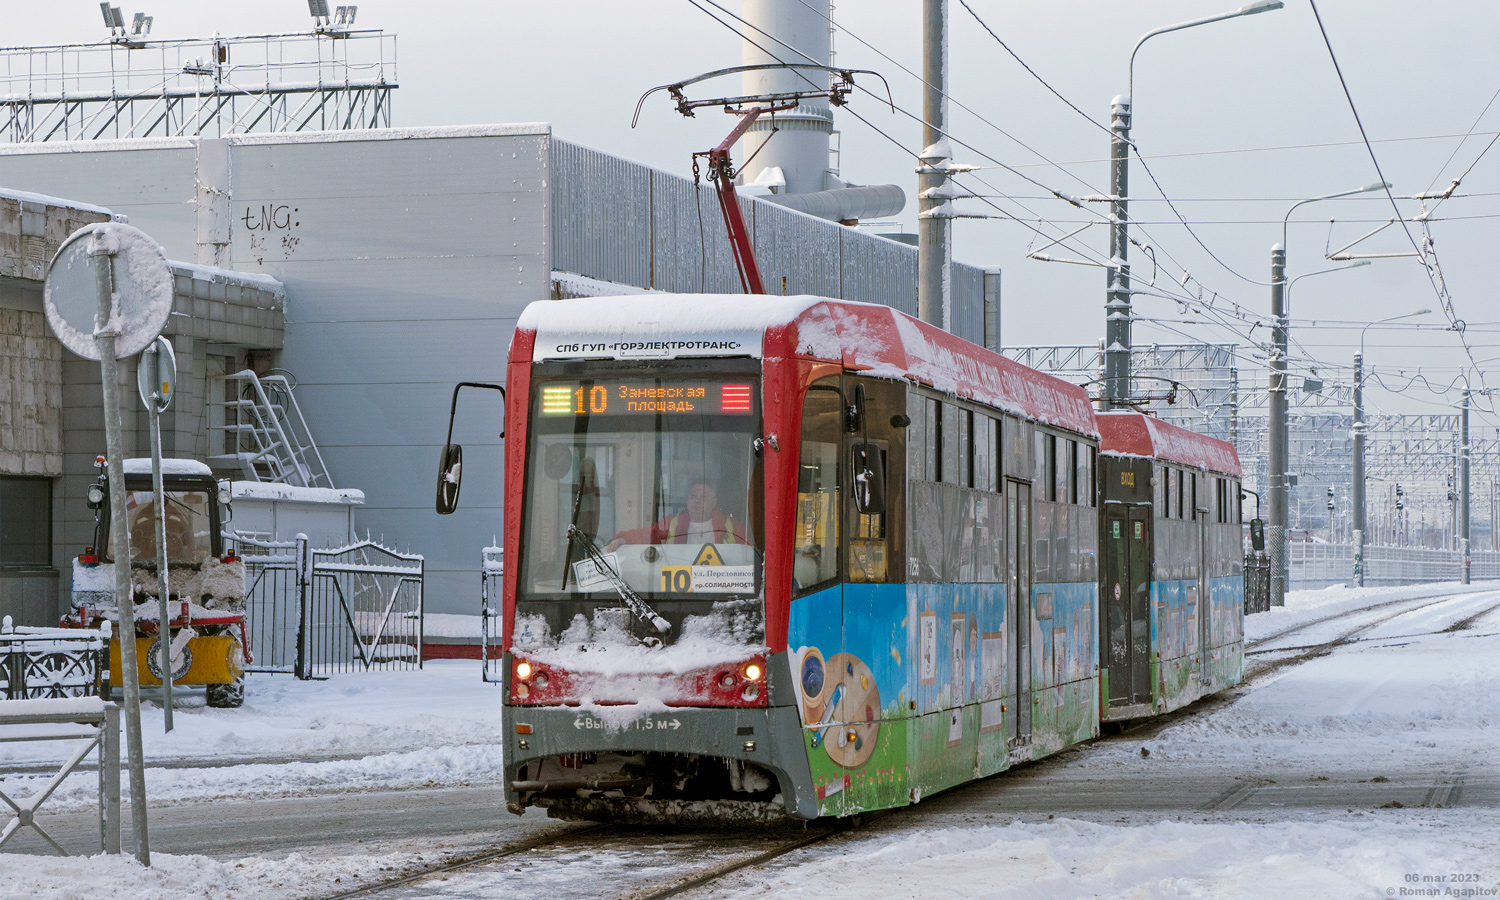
(620, 221)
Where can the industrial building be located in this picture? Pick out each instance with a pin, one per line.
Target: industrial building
(368, 269)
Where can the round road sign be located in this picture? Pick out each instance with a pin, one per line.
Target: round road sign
(157, 374)
(142, 288)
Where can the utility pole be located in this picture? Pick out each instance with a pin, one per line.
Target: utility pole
(1357, 501)
(1463, 486)
(1276, 421)
(934, 264)
(1117, 298)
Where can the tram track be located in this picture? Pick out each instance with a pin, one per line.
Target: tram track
(410, 884)
(1147, 728)
(1303, 653)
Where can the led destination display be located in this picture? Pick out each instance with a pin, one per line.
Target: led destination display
(586, 398)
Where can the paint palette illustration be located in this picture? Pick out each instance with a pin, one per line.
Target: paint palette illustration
(853, 711)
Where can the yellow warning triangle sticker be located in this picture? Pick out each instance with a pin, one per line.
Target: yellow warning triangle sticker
(709, 556)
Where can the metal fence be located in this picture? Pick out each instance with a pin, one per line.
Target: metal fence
(1317, 565)
(342, 609)
(52, 663)
(273, 608)
(1257, 582)
(491, 585)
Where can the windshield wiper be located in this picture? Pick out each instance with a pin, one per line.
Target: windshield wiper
(633, 602)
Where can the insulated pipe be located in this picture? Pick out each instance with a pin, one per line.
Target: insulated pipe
(844, 204)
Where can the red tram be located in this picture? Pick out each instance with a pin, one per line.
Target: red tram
(797, 557)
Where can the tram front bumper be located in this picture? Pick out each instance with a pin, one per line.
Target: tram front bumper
(770, 737)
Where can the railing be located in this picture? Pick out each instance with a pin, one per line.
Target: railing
(20, 721)
(52, 663)
(352, 608)
(267, 437)
(1317, 565)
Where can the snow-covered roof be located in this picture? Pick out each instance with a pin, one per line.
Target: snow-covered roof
(867, 337)
(229, 276)
(45, 200)
(142, 466)
(264, 490)
(1136, 434)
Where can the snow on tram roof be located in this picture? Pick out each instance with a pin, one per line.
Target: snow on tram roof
(1137, 434)
(863, 336)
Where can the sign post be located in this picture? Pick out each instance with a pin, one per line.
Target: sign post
(107, 296)
(156, 378)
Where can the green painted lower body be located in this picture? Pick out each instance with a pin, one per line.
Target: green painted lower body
(918, 756)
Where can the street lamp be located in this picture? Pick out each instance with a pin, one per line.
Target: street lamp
(1276, 415)
(1117, 294)
(1357, 501)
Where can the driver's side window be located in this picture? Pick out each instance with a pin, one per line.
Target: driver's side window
(815, 561)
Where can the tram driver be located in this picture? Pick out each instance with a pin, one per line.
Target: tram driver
(700, 522)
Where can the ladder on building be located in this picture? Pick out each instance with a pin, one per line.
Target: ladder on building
(265, 436)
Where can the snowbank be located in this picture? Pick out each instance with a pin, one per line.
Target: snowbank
(174, 877)
(1365, 857)
(436, 726)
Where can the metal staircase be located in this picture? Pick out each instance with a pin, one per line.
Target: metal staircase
(265, 437)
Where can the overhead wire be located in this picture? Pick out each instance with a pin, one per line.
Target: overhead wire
(1232, 322)
(1426, 253)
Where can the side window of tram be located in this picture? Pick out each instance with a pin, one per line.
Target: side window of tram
(816, 559)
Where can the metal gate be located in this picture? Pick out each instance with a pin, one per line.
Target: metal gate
(491, 584)
(343, 609)
(1257, 582)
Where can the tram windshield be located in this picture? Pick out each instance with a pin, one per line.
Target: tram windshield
(646, 479)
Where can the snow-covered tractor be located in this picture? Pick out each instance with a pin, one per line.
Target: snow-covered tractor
(205, 587)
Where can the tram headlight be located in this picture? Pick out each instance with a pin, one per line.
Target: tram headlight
(753, 672)
(523, 670)
(541, 680)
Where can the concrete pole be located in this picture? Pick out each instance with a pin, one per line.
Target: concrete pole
(1117, 296)
(1463, 487)
(114, 447)
(1277, 439)
(1357, 500)
(933, 234)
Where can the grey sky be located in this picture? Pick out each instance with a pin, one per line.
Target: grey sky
(1415, 71)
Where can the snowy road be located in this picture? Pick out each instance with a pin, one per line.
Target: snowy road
(1355, 773)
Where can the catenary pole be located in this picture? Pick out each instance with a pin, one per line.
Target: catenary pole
(1357, 500)
(1463, 486)
(1276, 421)
(934, 264)
(1117, 297)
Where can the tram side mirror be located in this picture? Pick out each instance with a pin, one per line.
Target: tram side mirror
(869, 479)
(1257, 535)
(450, 473)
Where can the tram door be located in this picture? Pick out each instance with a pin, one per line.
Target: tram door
(1018, 587)
(1127, 603)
